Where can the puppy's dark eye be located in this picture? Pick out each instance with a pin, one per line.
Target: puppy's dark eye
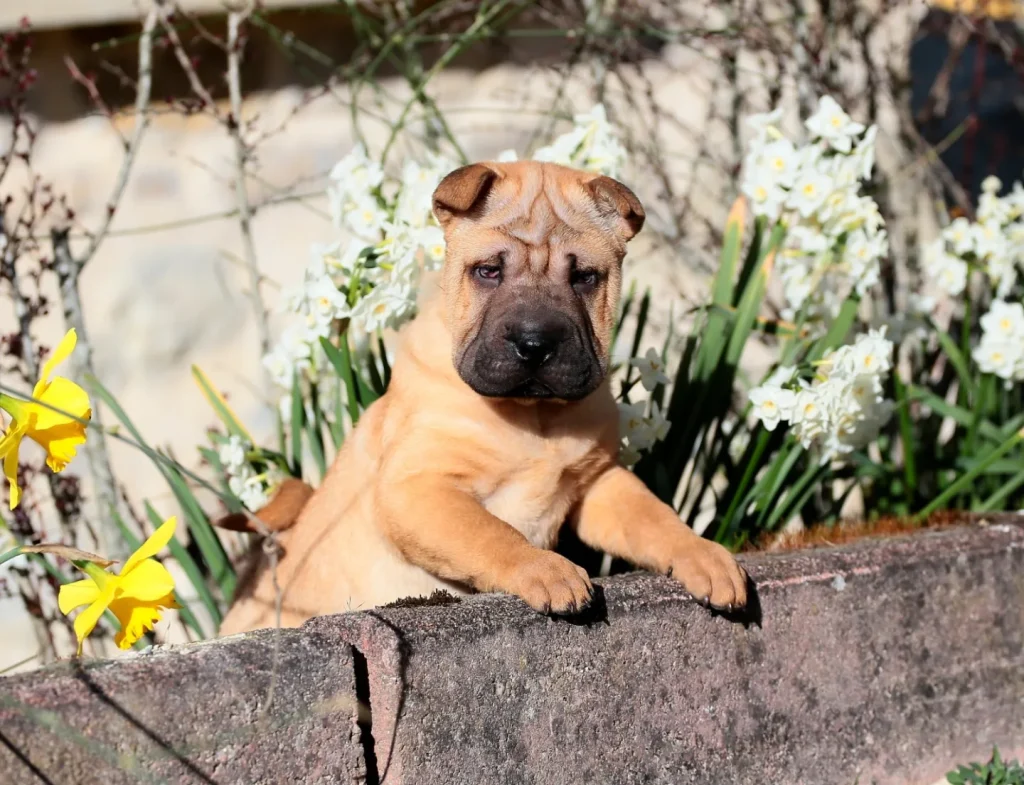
(489, 274)
(585, 281)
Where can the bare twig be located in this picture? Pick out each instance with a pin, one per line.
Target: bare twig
(22, 310)
(92, 89)
(164, 9)
(235, 129)
(131, 149)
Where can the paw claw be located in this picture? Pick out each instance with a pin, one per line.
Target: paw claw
(551, 584)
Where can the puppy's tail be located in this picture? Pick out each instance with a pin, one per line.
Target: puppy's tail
(279, 514)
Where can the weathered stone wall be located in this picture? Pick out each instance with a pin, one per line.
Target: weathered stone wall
(884, 661)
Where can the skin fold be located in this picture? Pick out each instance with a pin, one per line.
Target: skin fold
(498, 427)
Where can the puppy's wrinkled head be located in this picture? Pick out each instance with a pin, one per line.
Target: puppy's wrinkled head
(532, 275)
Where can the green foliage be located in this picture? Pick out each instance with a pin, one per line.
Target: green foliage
(995, 772)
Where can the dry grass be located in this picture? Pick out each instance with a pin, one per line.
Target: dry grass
(827, 535)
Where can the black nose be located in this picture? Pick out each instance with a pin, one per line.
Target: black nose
(535, 342)
(533, 348)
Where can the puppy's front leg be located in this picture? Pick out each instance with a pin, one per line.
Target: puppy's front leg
(444, 530)
(620, 516)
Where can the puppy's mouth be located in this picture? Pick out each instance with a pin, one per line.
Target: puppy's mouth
(533, 388)
(497, 378)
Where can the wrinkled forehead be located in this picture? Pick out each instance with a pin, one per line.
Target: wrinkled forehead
(538, 206)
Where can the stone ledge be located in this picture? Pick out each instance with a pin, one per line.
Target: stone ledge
(887, 661)
(883, 661)
(188, 714)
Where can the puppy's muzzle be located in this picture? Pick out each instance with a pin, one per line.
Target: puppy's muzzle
(534, 350)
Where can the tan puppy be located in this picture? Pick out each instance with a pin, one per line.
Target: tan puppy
(497, 428)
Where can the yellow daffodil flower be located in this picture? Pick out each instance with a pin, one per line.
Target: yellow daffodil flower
(58, 434)
(137, 596)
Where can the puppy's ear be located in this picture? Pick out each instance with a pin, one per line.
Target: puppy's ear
(462, 190)
(614, 198)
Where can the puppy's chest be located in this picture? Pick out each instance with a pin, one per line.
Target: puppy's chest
(540, 487)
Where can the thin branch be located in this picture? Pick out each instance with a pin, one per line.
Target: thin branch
(23, 312)
(165, 10)
(234, 127)
(142, 95)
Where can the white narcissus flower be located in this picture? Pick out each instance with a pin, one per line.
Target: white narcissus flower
(1001, 350)
(384, 307)
(291, 355)
(991, 185)
(988, 240)
(341, 262)
(279, 367)
(1005, 321)
(844, 408)
(251, 489)
(833, 125)
(357, 172)
(633, 426)
(431, 239)
(998, 358)
(652, 369)
(780, 159)
(780, 376)
(365, 218)
(947, 271)
(766, 197)
(814, 190)
(252, 494)
(232, 454)
(871, 354)
(591, 144)
(806, 241)
(864, 152)
(809, 192)
(840, 208)
(765, 126)
(951, 275)
(326, 303)
(809, 417)
(658, 422)
(772, 405)
(352, 180)
(960, 235)
(863, 252)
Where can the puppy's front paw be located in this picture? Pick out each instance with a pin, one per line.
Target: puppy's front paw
(550, 583)
(710, 573)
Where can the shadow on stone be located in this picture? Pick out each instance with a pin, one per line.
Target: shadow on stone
(749, 615)
(595, 613)
(24, 760)
(81, 674)
(365, 720)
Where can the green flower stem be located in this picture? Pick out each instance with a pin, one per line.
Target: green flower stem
(12, 553)
(99, 576)
(967, 478)
(12, 406)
